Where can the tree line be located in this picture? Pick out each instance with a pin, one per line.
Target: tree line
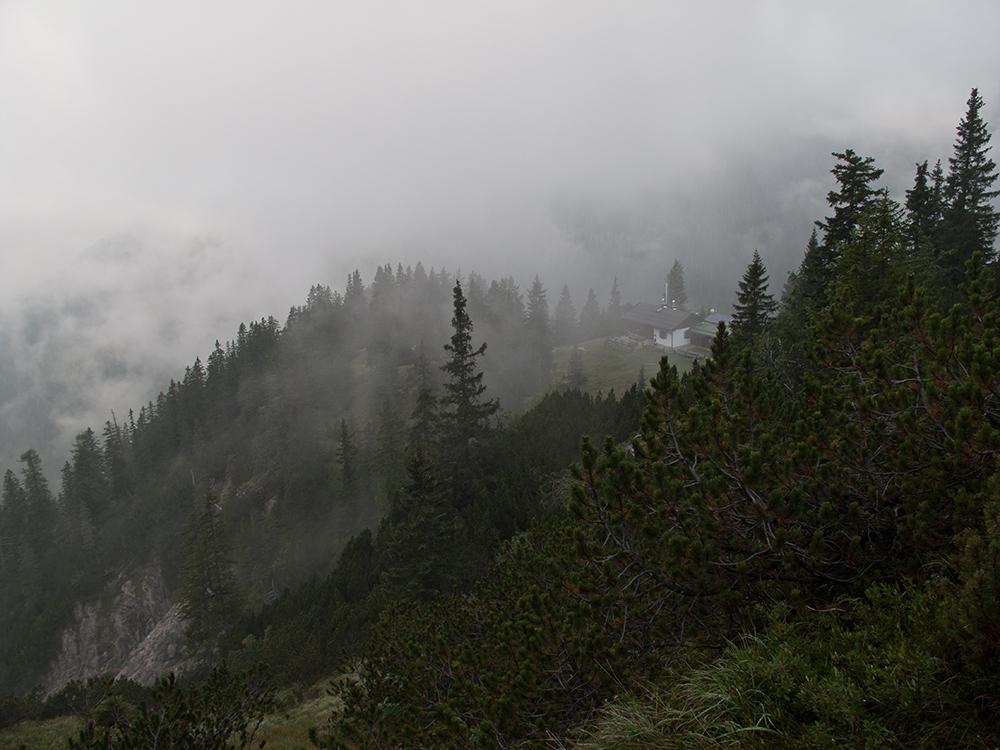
(299, 434)
(795, 548)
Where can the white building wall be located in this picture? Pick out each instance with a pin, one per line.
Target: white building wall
(673, 339)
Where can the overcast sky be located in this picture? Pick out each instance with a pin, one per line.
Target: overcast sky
(168, 169)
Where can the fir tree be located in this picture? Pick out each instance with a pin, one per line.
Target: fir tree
(13, 521)
(855, 177)
(424, 419)
(564, 321)
(970, 220)
(754, 308)
(923, 211)
(539, 337)
(85, 488)
(347, 454)
(613, 315)
(675, 288)
(423, 553)
(390, 440)
(210, 601)
(590, 317)
(874, 262)
(465, 414)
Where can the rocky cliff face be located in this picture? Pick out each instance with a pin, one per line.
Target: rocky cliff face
(133, 630)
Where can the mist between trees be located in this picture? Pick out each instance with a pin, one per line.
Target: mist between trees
(395, 450)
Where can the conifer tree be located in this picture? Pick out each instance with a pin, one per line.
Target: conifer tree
(390, 440)
(539, 337)
(356, 308)
(590, 317)
(855, 177)
(564, 321)
(675, 288)
(347, 454)
(754, 308)
(874, 262)
(923, 210)
(39, 505)
(13, 520)
(210, 600)
(85, 489)
(423, 553)
(424, 419)
(465, 414)
(970, 220)
(613, 315)
(809, 291)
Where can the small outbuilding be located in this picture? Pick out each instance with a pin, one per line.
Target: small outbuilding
(703, 334)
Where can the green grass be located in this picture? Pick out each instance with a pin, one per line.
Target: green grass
(283, 730)
(40, 735)
(290, 730)
(869, 672)
(606, 369)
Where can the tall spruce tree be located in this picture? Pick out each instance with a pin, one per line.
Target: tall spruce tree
(923, 213)
(809, 292)
(754, 307)
(590, 317)
(347, 455)
(465, 413)
(970, 219)
(675, 288)
(539, 337)
(874, 262)
(424, 418)
(209, 600)
(855, 180)
(564, 321)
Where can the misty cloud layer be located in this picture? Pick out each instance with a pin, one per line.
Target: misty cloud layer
(169, 170)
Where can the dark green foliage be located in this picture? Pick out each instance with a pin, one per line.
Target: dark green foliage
(874, 262)
(533, 667)
(17, 708)
(868, 464)
(424, 543)
(754, 308)
(855, 177)
(209, 596)
(424, 419)
(793, 545)
(38, 575)
(101, 699)
(970, 221)
(807, 290)
(258, 426)
(863, 672)
(315, 629)
(923, 209)
(465, 414)
(224, 712)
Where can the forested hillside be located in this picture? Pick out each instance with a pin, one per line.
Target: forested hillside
(285, 443)
(793, 544)
(797, 548)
